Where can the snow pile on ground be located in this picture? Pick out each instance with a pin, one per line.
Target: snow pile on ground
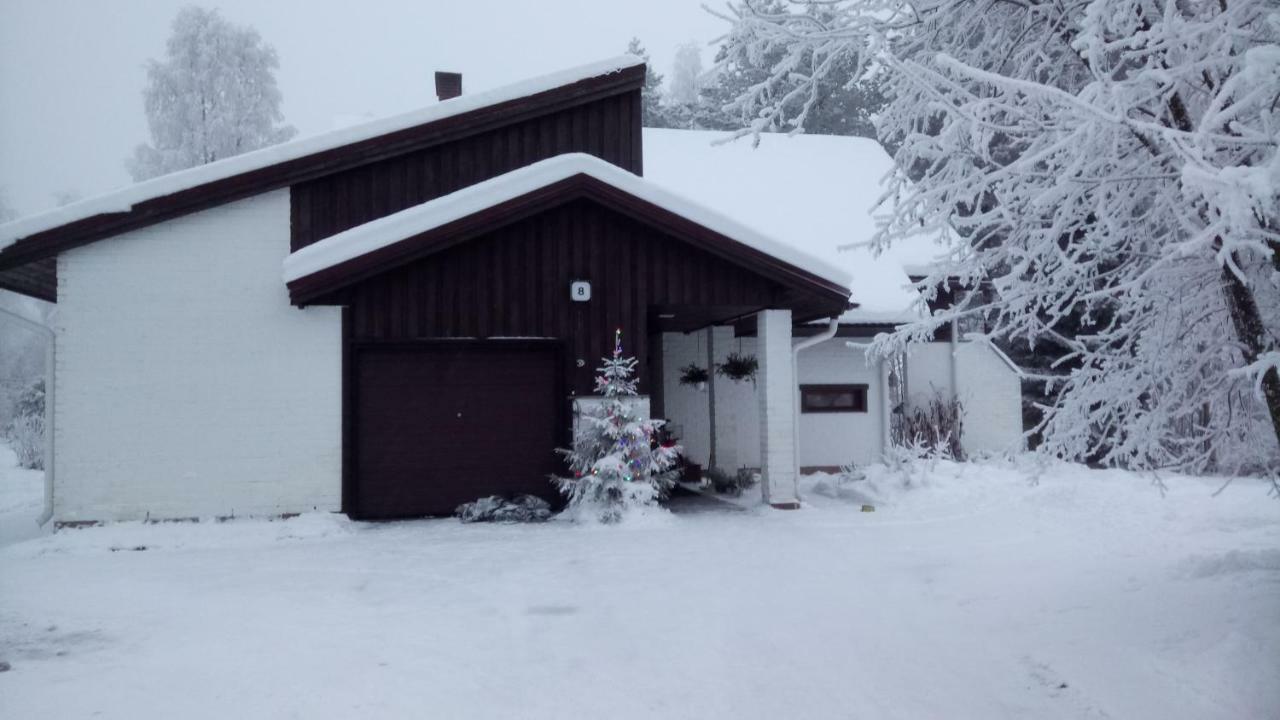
(972, 591)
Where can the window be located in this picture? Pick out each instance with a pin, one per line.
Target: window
(833, 398)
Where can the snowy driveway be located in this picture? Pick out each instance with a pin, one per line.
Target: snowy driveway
(978, 596)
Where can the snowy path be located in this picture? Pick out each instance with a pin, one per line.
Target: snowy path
(978, 596)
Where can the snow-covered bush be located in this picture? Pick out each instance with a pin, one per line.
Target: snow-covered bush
(735, 484)
(25, 432)
(26, 437)
(617, 462)
(523, 509)
(935, 423)
(914, 459)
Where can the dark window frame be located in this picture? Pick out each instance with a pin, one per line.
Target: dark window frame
(859, 391)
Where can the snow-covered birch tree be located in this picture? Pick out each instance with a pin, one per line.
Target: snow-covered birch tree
(213, 96)
(686, 74)
(1109, 165)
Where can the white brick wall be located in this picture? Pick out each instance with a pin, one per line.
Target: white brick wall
(991, 393)
(835, 439)
(776, 387)
(187, 384)
(825, 439)
(989, 390)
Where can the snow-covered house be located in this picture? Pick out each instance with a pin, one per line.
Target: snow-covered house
(395, 317)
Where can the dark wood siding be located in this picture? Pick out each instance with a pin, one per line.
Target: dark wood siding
(38, 279)
(514, 282)
(608, 128)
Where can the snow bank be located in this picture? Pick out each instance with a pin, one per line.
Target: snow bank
(812, 192)
(393, 228)
(125, 198)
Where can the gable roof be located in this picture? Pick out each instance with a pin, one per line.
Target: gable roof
(374, 247)
(32, 238)
(811, 192)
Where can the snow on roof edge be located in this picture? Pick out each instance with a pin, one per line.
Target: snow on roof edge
(123, 199)
(393, 228)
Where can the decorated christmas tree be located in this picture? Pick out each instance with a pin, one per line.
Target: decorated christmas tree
(617, 462)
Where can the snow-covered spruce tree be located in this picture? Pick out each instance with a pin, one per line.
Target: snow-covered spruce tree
(652, 113)
(1113, 163)
(214, 96)
(617, 464)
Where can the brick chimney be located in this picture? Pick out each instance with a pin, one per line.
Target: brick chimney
(448, 85)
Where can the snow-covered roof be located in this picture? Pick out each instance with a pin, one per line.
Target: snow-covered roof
(123, 199)
(385, 231)
(811, 192)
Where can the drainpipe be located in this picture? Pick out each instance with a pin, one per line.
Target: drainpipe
(955, 390)
(833, 324)
(49, 398)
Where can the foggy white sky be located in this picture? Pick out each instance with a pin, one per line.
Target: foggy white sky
(71, 71)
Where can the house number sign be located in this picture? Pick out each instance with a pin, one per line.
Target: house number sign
(580, 290)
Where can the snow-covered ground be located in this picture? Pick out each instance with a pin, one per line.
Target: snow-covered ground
(21, 498)
(971, 594)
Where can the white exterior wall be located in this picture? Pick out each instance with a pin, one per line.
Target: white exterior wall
(991, 393)
(835, 439)
(187, 385)
(776, 390)
(989, 389)
(829, 439)
(928, 371)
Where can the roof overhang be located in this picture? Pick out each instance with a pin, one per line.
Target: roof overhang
(315, 273)
(42, 236)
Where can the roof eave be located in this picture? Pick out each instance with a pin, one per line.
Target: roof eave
(273, 177)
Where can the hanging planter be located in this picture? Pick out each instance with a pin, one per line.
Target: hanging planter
(739, 367)
(694, 375)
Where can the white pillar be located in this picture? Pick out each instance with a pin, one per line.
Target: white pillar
(777, 385)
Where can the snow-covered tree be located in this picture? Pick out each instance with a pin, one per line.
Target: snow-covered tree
(214, 96)
(686, 74)
(1111, 163)
(616, 461)
(652, 114)
(847, 99)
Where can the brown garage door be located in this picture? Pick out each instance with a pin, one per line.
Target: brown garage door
(439, 425)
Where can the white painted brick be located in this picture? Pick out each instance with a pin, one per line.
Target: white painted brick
(989, 390)
(188, 386)
(826, 439)
(777, 387)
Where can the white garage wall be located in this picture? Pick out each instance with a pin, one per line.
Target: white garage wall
(826, 439)
(188, 386)
(989, 389)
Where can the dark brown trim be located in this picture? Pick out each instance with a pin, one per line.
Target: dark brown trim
(809, 289)
(319, 164)
(348, 414)
(38, 279)
(860, 397)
